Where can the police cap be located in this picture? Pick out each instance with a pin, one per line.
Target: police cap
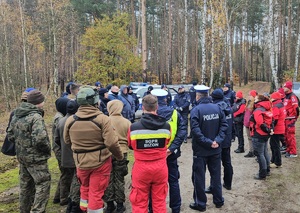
(159, 93)
(201, 88)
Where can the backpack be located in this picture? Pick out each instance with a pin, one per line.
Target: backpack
(8, 147)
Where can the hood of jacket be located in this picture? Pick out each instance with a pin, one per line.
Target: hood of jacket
(87, 111)
(115, 107)
(61, 105)
(122, 87)
(25, 109)
(223, 106)
(265, 104)
(151, 121)
(165, 111)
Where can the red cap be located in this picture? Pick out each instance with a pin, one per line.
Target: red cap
(276, 95)
(253, 93)
(288, 85)
(239, 94)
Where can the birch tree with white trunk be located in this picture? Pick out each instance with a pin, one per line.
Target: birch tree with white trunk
(144, 36)
(297, 56)
(273, 41)
(24, 45)
(184, 70)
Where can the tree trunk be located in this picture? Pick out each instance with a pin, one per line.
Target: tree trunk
(55, 49)
(133, 23)
(289, 34)
(169, 59)
(203, 47)
(212, 52)
(144, 36)
(297, 56)
(229, 44)
(272, 42)
(185, 52)
(24, 45)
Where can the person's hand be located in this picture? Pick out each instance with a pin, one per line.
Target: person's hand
(180, 109)
(214, 145)
(168, 152)
(272, 132)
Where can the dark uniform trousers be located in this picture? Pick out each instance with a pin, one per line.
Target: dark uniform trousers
(213, 163)
(184, 116)
(239, 127)
(228, 170)
(173, 179)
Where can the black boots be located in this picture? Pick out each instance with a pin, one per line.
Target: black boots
(110, 208)
(120, 208)
(73, 207)
(239, 150)
(250, 155)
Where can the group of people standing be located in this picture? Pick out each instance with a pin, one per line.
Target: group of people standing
(267, 117)
(93, 131)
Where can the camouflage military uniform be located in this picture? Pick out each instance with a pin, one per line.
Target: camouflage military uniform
(33, 149)
(116, 187)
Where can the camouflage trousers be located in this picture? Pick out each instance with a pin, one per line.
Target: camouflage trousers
(116, 187)
(35, 181)
(75, 189)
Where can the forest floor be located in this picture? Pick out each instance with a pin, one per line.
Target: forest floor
(278, 193)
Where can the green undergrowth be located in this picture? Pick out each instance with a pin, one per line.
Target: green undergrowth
(10, 180)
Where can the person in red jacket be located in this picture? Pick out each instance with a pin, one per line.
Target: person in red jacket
(261, 129)
(238, 118)
(279, 115)
(292, 113)
(149, 138)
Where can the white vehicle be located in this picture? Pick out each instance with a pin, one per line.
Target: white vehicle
(296, 89)
(139, 91)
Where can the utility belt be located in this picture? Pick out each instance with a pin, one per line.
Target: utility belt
(87, 151)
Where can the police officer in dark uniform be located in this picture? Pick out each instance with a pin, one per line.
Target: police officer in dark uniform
(192, 93)
(182, 104)
(178, 135)
(218, 98)
(150, 88)
(209, 125)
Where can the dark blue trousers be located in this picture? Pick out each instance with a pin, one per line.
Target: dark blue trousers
(184, 116)
(174, 190)
(198, 177)
(227, 166)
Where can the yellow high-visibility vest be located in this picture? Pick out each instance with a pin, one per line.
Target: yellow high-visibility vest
(173, 124)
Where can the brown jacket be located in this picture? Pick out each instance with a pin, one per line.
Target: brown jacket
(120, 124)
(92, 138)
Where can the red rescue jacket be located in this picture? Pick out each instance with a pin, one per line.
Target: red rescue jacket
(261, 120)
(279, 115)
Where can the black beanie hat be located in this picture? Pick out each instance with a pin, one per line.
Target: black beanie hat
(61, 105)
(217, 94)
(35, 97)
(72, 107)
(102, 91)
